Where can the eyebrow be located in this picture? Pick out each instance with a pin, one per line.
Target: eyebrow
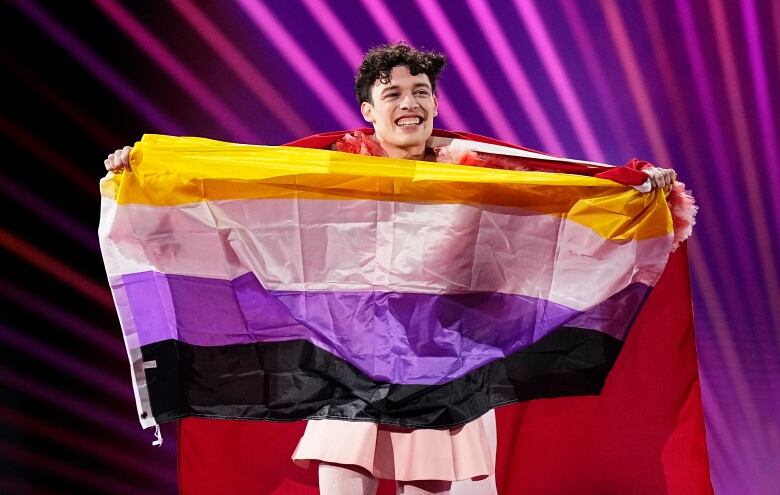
(395, 87)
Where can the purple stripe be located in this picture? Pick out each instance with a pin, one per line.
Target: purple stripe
(455, 333)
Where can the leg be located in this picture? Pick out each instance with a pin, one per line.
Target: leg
(423, 487)
(340, 479)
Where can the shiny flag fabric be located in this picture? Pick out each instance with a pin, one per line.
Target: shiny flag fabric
(643, 434)
(285, 283)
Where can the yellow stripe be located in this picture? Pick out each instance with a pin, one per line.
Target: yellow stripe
(169, 171)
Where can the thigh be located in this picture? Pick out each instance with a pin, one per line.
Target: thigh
(340, 479)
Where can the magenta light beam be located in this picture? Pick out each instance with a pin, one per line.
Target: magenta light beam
(638, 89)
(750, 170)
(514, 73)
(766, 117)
(618, 126)
(561, 83)
(335, 30)
(296, 56)
(468, 70)
(99, 69)
(243, 68)
(168, 62)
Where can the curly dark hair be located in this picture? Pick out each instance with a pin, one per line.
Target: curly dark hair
(380, 60)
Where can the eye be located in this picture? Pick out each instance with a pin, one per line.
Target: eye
(423, 92)
(391, 95)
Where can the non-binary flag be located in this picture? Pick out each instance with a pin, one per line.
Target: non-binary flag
(286, 283)
(285, 237)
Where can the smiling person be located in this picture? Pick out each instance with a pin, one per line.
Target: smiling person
(396, 89)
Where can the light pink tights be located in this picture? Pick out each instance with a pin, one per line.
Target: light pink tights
(338, 479)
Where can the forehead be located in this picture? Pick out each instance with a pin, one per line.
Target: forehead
(401, 76)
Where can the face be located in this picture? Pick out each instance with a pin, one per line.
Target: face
(403, 111)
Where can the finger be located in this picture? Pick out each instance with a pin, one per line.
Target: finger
(669, 177)
(654, 176)
(126, 157)
(660, 177)
(664, 173)
(115, 163)
(111, 167)
(118, 157)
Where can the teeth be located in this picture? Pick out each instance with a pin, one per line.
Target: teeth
(409, 121)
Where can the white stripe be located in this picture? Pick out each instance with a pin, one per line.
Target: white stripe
(365, 245)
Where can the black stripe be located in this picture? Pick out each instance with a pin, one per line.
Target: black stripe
(293, 380)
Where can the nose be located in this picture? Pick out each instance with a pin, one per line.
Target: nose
(409, 102)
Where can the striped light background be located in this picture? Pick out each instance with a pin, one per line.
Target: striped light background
(685, 84)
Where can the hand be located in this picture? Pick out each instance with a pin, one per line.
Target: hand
(119, 160)
(660, 177)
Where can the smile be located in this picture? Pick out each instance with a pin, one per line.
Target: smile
(408, 121)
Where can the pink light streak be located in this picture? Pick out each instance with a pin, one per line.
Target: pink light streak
(118, 455)
(243, 68)
(638, 89)
(753, 178)
(449, 115)
(31, 254)
(737, 234)
(714, 297)
(96, 130)
(104, 339)
(94, 413)
(513, 71)
(714, 414)
(42, 152)
(723, 167)
(740, 383)
(168, 62)
(55, 465)
(83, 371)
(133, 98)
(336, 32)
(683, 126)
(468, 70)
(296, 56)
(50, 214)
(561, 83)
(596, 73)
(766, 118)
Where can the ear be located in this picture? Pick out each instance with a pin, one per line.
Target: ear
(435, 105)
(367, 109)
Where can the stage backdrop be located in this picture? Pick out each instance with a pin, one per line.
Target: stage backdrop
(681, 83)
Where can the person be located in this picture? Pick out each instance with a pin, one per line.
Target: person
(396, 89)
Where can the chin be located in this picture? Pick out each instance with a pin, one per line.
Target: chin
(417, 138)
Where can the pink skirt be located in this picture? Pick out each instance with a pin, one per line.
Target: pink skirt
(403, 454)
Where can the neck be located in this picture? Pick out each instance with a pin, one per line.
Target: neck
(416, 152)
